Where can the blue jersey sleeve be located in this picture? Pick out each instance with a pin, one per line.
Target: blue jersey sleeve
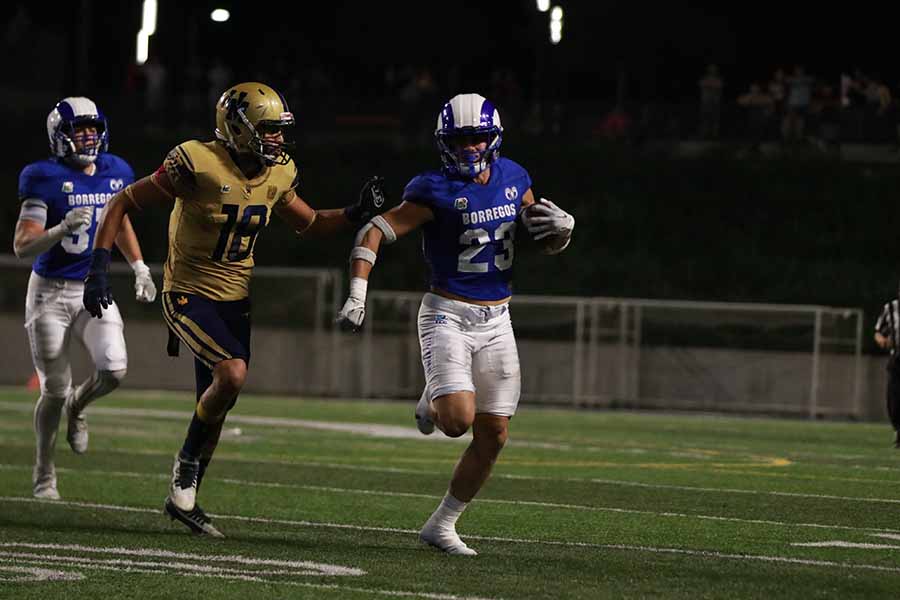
(29, 181)
(419, 191)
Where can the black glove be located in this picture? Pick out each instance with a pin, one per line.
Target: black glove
(370, 203)
(97, 292)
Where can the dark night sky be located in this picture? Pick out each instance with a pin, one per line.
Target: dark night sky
(663, 48)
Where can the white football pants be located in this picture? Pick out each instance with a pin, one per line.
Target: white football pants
(53, 314)
(468, 347)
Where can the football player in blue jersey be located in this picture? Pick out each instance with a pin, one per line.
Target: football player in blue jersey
(62, 200)
(468, 212)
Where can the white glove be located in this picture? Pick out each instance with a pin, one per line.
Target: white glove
(353, 312)
(545, 219)
(78, 219)
(144, 289)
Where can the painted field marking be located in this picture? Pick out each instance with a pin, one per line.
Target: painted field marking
(379, 431)
(19, 574)
(538, 504)
(841, 544)
(862, 545)
(397, 530)
(298, 567)
(178, 567)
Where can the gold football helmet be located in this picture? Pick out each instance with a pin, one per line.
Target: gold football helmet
(246, 113)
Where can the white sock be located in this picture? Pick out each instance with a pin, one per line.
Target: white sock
(448, 512)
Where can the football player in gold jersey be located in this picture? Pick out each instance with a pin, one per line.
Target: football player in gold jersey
(221, 193)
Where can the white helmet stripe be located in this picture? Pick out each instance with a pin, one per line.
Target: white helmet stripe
(82, 107)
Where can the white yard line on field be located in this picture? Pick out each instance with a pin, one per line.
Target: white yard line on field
(432, 497)
(627, 547)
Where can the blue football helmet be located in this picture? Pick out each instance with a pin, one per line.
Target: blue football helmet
(68, 114)
(468, 115)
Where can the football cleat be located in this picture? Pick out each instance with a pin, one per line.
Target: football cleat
(44, 487)
(423, 414)
(183, 489)
(196, 520)
(444, 539)
(77, 429)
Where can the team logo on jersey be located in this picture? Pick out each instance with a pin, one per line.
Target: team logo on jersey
(440, 319)
(512, 193)
(68, 187)
(116, 184)
(271, 193)
(226, 188)
(461, 203)
(181, 300)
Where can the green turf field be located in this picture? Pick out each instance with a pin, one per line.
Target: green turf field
(323, 499)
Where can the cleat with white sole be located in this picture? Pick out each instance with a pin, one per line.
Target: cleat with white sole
(445, 539)
(44, 484)
(77, 429)
(183, 488)
(423, 414)
(196, 520)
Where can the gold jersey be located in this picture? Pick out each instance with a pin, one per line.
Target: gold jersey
(217, 215)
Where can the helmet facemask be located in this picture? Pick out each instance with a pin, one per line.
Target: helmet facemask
(271, 140)
(457, 160)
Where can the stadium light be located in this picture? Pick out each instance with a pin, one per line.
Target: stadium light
(543, 5)
(220, 15)
(148, 28)
(556, 23)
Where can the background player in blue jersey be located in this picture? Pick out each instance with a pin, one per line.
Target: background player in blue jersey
(468, 212)
(62, 200)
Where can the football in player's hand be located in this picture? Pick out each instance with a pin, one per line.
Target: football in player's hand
(548, 244)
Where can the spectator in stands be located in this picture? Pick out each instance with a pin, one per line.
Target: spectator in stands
(759, 107)
(710, 102)
(887, 336)
(853, 103)
(825, 117)
(799, 95)
(777, 90)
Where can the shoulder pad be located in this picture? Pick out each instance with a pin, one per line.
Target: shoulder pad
(180, 168)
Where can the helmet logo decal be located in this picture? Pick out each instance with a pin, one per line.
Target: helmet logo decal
(235, 105)
(512, 193)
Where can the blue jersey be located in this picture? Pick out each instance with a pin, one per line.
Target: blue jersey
(469, 244)
(61, 188)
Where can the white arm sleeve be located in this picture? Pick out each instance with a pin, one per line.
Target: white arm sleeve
(33, 210)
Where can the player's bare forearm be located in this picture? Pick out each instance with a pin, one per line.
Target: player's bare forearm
(111, 224)
(328, 222)
(31, 238)
(127, 242)
(371, 239)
